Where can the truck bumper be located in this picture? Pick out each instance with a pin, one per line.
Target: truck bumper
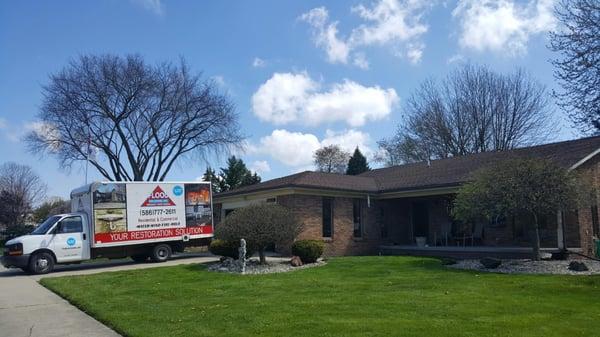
(20, 261)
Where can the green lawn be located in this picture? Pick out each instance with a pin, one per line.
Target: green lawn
(353, 296)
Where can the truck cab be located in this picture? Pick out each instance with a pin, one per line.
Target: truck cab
(62, 238)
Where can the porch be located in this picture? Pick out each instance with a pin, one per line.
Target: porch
(464, 252)
(424, 226)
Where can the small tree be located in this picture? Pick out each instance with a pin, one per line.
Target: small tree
(331, 159)
(52, 206)
(577, 67)
(357, 163)
(260, 225)
(20, 189)
(534, 187)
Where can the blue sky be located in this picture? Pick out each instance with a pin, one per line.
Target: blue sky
(301, 73)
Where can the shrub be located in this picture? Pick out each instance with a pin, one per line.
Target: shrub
(12, 232)
(260, 225)
(308, 250)
(228, 248)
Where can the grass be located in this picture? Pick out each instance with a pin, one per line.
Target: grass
(353, 296)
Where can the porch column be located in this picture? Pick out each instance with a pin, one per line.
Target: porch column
(560, 231)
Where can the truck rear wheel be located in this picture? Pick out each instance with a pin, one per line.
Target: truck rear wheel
(41, 263)
(161, 253)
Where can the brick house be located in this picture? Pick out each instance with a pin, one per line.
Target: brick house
(406, 209)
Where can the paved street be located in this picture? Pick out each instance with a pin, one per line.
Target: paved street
(28, 309)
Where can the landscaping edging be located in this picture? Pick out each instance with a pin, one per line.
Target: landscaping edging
(526, 266)
(274, 265)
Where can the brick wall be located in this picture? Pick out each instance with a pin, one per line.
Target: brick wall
(591, 173)
(308, 209)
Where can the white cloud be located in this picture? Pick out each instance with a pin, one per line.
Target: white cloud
(348, 140)
(279, 100)
(414, 53)
(258, 62)
(287, 97)
(455, 58)
(290, 148)
(3, 123)
(503, 25)
(45, 131)
(219, 80)
(395, 23)
(325, 35)
(260, 166)
(296, 149)
(154, 6)
(360, 61)
(390, 20)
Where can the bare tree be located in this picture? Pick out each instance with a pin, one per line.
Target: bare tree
(472, 110)
(20, 189)
(132, 120)
(331, 159)
(578, 67)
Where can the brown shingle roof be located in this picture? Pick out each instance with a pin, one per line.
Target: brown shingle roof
(309, 179)
(442, 172)
(456, 170)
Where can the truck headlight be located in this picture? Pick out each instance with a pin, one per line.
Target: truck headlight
(15, 249)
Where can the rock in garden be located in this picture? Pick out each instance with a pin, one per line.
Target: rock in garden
(446, 261)
(490, 262)
(295, 261)
(560, 255)
(577, 266)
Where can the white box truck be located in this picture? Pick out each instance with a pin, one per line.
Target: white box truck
(142, 220)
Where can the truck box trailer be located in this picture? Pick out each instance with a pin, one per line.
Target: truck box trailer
(142, 220)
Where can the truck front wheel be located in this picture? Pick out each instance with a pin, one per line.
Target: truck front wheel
(41, 263)
(161, 253)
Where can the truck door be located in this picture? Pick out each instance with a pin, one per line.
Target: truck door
(71, 239)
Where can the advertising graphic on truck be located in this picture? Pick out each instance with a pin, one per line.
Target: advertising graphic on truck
(141, 212)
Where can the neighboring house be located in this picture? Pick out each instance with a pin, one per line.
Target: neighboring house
(391, 209)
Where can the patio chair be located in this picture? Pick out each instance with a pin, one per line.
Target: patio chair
(445, 234)
(476, 234)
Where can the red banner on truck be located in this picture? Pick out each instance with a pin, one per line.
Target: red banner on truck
(152, 234)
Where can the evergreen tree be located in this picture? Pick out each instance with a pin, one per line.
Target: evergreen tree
(215, 180)
(357, 163)
(236, 174)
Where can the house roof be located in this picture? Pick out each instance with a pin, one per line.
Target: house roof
(310, 179)
(438, 173)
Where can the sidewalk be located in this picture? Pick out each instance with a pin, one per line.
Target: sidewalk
(27, 309)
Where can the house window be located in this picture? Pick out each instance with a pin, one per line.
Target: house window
(384, 230)
(595, 224)
(327, 217)
(358, 218)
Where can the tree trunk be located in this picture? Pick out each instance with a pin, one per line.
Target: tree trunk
(261, 254)
(536, 240)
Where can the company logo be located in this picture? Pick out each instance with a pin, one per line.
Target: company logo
(177, 190)
(71, 241)
(158, 197)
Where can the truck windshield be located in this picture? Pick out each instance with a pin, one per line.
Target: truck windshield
(45, 226)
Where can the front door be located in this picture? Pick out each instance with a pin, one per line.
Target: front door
(420, 219)
(70, 240)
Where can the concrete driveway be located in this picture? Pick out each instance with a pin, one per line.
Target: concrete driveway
(28, 309)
